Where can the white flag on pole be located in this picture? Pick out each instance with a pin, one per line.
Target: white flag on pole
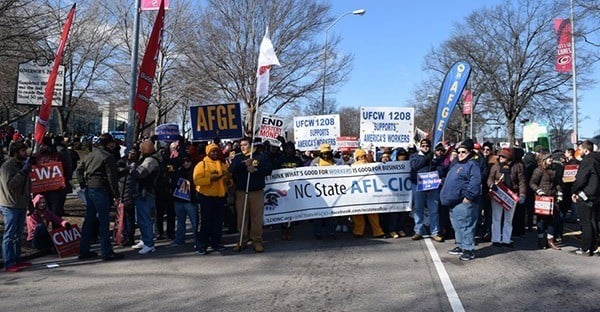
(266, 58)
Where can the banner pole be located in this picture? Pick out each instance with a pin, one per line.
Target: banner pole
(575, 136)
(243, 225)
(130, 136)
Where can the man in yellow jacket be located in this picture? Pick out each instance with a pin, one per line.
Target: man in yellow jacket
(210, 177)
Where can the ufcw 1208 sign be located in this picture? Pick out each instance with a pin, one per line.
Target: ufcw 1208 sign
(221, 120)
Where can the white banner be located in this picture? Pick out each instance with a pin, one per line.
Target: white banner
(319, 192)
(312, 131)
(387, 126)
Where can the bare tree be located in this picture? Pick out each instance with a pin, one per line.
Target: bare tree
(225, 52)
(512, 51)
(349, 121)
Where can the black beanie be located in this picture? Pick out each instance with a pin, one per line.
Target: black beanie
(467, 144)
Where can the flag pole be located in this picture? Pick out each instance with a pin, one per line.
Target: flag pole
(130, 134)
(255, 113)
(575, 136)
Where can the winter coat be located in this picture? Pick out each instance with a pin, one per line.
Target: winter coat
(517, 177)
(99, 170)
(15, 186)
(257, 178)
(545, 181)
(203, 172)
(462, 181)
(587, 179)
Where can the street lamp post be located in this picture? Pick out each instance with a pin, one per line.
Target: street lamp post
(355, 12)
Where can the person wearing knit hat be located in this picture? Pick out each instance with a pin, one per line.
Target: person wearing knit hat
(145, 174)
(467, 144)
(461, 192)
(358, 221)
(422, 162)
(37, 224)
(512, 175)
(211, 177)
(325, 158)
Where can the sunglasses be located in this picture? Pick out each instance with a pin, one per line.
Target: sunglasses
(487, 149)
(425, 145)
(463, 152)
(501, 156)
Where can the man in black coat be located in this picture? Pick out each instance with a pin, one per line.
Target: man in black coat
(586, 194)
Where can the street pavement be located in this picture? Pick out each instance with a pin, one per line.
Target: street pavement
(342, 274)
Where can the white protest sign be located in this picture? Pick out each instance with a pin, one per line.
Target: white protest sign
(271, 126)
(312, 131)
(317, 192)
(387, 126)
(31, 84)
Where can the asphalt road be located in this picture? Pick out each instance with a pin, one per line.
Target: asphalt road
(345, 274)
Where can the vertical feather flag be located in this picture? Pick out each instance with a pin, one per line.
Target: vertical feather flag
(266, 58)
(148, 67)
(451, 91)
(44, 115)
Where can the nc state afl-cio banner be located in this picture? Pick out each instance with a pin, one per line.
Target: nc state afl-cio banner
(318, 192)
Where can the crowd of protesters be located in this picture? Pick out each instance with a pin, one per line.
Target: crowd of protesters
(217, 186)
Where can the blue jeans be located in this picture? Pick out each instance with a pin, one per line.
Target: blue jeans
(143, 211)
(212, 213)
(98, 204)
(464, 221)
(431, 199)
(14, 223)
(183, 210)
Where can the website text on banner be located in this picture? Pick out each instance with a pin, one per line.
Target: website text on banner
(221, 120)
(387, 126)
(316, 192)
(312, 131)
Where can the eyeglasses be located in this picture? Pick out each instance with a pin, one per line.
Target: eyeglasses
(425, 145)
(501, 156)
(463, 152)
(487, 149)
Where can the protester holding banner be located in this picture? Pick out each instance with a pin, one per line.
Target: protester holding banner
(389, 220)
(249, 177)
(38, 236)
(545, 184)
(15, 198)
(359, 220)
(288, 160)
(325, 158)
(512, 175)
(145, 174)
(211, 177)
(97, 174)
(424, 162)
(48, 154)
(461, 189)
(586, 194)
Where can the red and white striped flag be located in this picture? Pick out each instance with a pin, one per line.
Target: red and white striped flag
(266, 58)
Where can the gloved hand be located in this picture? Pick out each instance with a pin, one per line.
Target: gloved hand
(559, 198)
(521, 199)
(540, 192)
(82, 185)
(494, 187)
(67, 225)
